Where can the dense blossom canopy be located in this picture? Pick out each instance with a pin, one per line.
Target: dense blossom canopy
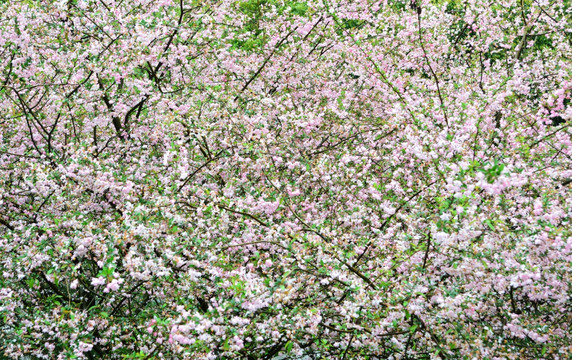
(285, 179)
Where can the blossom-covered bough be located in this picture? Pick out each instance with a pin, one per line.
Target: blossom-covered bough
(272, 179)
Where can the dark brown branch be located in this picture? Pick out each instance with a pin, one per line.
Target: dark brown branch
(443, 108)
(6, 224)
(427, 250)
(255, 75)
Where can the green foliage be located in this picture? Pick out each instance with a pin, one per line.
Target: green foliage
(256, 11)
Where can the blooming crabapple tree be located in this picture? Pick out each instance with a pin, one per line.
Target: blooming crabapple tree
(263, 179)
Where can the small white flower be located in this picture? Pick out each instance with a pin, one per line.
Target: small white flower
(98, 281)
(74, 284)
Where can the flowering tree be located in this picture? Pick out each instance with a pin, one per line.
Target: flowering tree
(285, 179)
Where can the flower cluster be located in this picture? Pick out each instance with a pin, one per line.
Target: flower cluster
(284, 179)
